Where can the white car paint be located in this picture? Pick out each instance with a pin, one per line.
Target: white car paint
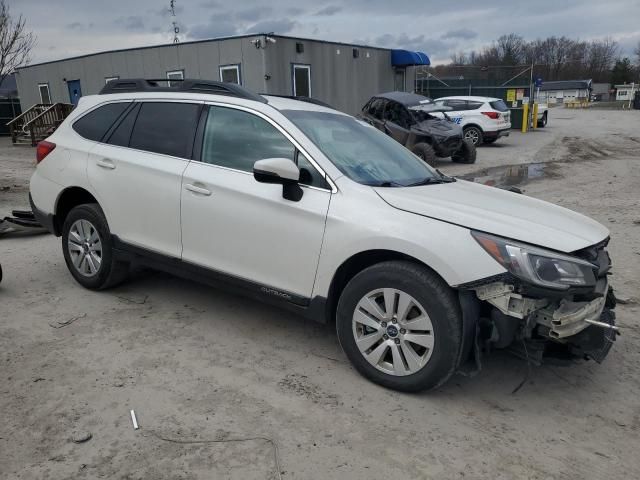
(247, 229)
(491, 128)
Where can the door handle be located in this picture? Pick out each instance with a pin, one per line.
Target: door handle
(198, 190)
(106, 163)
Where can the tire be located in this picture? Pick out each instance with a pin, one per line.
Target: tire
(87, 227)
(425, 152)
(431, 367)
(466, 153)
(543, 122)
(474, 134)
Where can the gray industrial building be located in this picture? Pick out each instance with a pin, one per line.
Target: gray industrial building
(342, 75)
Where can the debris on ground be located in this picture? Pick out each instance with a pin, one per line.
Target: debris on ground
(134, 420)
(64, 323)
(81, 436)
(21, 222)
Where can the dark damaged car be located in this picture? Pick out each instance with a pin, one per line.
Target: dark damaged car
(409, 119)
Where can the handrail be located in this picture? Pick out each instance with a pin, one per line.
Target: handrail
(19, 117)
(47, 118)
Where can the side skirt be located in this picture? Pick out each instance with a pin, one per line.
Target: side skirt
(310, 308)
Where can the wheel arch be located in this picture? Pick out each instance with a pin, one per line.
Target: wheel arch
(69, 198)
(469, 125)
(357, 263)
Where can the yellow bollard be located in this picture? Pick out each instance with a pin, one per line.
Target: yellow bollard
(534, 117)
(525, 117)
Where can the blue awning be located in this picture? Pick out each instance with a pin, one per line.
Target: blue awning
(402, 58)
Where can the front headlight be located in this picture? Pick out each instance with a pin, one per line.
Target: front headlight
(537, 265)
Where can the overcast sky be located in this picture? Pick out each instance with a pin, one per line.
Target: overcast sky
(67, 28)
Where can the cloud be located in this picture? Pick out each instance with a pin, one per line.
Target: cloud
(328, 11)
(276, 26)
(132, 23)
(254, 14)
(220, 25)
(75, 26)
(463, 33)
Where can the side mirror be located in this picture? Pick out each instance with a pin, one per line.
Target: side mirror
(279, 171)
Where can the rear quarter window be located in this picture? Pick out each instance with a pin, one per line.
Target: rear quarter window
(95, 124)
(499, 105)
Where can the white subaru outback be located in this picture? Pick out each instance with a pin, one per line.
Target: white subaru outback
(313, 210)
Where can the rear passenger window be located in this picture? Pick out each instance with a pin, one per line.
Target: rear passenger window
(95, 124)
(166, 128)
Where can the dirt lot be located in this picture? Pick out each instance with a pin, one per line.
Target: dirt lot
(198, 364)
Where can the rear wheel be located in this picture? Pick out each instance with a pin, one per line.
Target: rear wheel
(400, 325)
(425, 152)
(474, 135)
(543, 121)
(466, 153)
(88, 250)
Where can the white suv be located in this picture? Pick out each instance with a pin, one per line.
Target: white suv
(483, 119)
(313, 210)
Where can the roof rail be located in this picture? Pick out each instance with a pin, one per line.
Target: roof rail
(301, 98)
(186, 85)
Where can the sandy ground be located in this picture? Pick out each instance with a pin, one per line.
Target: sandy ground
(197, 364)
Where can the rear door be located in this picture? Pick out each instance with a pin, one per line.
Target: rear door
(137, 173)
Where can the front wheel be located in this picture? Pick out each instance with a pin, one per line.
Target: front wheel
(400, 325)
(465, 154)
(426, 153)
(87, 248)
(474, 135)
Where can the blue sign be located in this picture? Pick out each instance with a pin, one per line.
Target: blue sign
(538, 82)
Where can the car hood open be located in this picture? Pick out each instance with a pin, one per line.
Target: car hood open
(499, 212)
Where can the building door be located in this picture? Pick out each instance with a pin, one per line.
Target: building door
(399, 84)
(301, 80)
(75, 92)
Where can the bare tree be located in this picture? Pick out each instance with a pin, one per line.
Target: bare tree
(16, 42)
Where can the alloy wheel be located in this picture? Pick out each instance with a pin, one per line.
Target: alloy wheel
(85, 248)
(393, 331)
(473, 135)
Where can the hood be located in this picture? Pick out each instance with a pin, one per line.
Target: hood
(439, 126)
(500, 212)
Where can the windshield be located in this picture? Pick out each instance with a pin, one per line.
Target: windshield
(361, 152)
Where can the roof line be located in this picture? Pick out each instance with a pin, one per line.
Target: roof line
(192, 42)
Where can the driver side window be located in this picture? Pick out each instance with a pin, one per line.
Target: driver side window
(237, 139)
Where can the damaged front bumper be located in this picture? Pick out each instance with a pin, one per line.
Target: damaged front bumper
(540, 327)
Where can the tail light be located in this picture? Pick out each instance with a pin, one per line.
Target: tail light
(492, 115)
(43, 149)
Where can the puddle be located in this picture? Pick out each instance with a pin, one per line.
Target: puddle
(509, 175)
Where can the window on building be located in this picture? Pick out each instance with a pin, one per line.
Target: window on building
(175, 75)
(45, 96)
(110, 79)
(166, 127)
(230, 74)
(95, 124)
(301, 80)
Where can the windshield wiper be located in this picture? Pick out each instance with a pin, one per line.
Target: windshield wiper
(427, 181)
(386, 183)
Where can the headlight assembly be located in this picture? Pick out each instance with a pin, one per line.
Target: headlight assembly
(537, 265)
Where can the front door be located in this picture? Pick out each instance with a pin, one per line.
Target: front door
(234, 225)
(75, 92)
(397, 122)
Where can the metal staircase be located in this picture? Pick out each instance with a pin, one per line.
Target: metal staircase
(38, 122)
